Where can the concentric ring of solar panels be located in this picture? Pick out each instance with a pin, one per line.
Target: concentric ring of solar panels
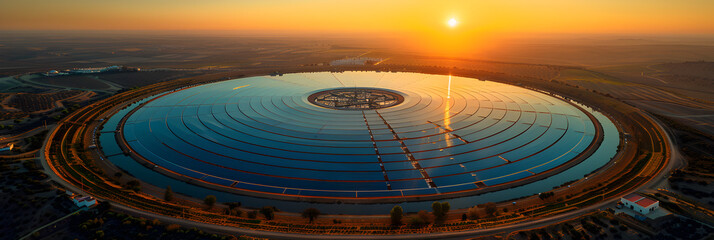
(261, 134)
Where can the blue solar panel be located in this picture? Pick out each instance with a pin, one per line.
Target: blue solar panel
(506, 178)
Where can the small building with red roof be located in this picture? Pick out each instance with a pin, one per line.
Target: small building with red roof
(639, 203)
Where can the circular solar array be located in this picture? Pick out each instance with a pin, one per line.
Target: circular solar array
(449, 135)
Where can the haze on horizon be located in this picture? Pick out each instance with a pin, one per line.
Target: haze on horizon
(417, 26)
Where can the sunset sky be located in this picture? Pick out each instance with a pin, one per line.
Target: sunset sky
(419, 25)
(561, 16)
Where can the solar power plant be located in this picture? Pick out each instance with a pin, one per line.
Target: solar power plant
(435, 135)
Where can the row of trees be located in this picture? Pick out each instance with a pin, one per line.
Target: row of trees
(439, 212)
(234, 207)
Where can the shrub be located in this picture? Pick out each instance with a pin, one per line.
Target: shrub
(268, 212)
(311, 213)
(424, 216)
(172, 227)
(396, 215)
(472, 213)
(134, 185)
(234, 212)
(490, 209)
(233, 205)
(416, 222)
(168, 195)
(253, 214)
(210, 200)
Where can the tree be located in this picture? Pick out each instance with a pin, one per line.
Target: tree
(546, 195)
(134, 185)
(268, 212)
(168, 195)
(472, 212)
(210, 200)
(253, 214)
(490, 209)
(424, 216)
(396, 215)
(311, 213)
(235, 212)
(440, 210)
(233, 205)
(233, 208)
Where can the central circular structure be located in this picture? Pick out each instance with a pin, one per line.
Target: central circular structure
(355, 98)
(408, 135)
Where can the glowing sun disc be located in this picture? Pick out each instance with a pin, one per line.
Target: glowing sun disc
(452, 22)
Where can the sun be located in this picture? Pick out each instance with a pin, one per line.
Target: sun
(452, 22)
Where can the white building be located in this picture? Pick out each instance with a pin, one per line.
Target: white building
(84, 201)
(639, 204)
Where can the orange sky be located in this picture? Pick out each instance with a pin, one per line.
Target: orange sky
(562, 16)
(480, 22)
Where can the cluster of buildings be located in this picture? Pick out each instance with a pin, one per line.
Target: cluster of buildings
(114, 68)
